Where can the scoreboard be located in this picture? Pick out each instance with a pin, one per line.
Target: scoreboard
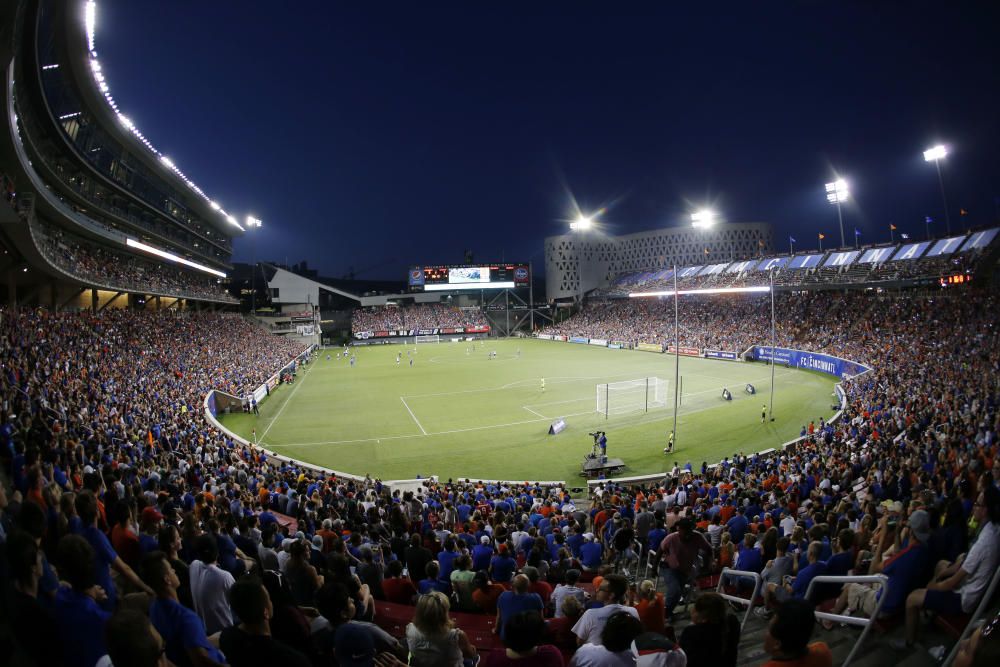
(439, 278)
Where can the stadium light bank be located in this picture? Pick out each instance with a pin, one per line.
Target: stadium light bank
(707, 290)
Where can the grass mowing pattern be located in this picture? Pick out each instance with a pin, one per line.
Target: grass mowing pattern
(456, 413)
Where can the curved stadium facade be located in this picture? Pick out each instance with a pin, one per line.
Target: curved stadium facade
(97, 215)
(578, 263)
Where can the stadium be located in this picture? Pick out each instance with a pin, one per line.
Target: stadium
(673, 446)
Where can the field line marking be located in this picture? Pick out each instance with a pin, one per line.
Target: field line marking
(417, 421)
(565, 379)
(683, 412)
(285, 404)
(533, 412)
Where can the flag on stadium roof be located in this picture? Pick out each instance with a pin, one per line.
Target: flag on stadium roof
(857, 232)
(904, 236)
(822, 236)
(892, 226)
(792, 240)
(928, 219)
(962, 211)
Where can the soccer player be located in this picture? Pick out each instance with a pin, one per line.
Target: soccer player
(763, 413)
(352, 361)
(543, 385)
(411, 362)
(398, 357)
(670, 444)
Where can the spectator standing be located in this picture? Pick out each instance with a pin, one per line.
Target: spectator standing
(210, 586)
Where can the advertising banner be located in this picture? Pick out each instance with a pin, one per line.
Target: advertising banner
(545, 336)
(721, 354)
(482, 329)
(615, 346)
(260, 392)
(685, 351)
(599, 342)
(579, 339)
(562, 338)
(813, 361)
(649, 347)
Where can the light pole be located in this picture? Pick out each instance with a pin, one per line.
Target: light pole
(253, 223)
(836, 193)
(935, 155)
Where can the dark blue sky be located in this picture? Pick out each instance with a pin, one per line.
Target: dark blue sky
(383, 134)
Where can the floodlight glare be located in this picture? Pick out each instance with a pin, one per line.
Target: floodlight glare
(939, 152)
(703, 218)
(252, 221)
(837, 191)
(581, 224)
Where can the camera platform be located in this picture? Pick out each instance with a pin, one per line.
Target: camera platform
(595, 467)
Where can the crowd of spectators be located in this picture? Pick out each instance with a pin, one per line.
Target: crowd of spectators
(104, 267)
(133, 528)
(419, 316)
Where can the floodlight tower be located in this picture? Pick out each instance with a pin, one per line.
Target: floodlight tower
(935, 155)
(253, 223)
(836, 193)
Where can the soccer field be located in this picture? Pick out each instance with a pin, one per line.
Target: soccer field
(456, 413)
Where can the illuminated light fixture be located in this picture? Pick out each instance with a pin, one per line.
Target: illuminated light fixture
(581, 224)
(442, 287)
(837, 192)
(50, 66)
(703, 219)
(232, 221)
(169, 256)
(939, 152)
(253, 222)
(214, 205)
(707, 290)
(90, 18)
(69, 115)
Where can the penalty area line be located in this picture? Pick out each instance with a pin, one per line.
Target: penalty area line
(415, 420)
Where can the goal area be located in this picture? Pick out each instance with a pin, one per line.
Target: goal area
(639, 395)
(426, 339)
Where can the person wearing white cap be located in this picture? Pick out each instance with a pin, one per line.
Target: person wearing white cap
(482, 554)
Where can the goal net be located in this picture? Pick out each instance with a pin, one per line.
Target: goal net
(640, 395)
(426, 339)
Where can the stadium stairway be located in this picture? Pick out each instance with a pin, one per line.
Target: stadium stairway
(875, 653)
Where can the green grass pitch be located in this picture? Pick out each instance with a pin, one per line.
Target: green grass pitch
(457, 413)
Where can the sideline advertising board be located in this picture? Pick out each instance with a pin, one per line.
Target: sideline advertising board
(684, 351)
(813, 361)
(649, 347)
(721, 354)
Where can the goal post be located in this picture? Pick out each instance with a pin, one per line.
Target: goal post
(426, 339)
(639, 395)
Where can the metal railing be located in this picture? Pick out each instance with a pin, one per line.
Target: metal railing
(977, 618)
(878, 579)
(758, 584)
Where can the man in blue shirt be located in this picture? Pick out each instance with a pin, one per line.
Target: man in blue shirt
(502, 566)
(517, 599)
(737, 526)
(182, 631)
(79, 619)
(591, 552)
(482, 554)
(105, 556)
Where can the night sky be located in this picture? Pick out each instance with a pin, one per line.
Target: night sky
(378, 135)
